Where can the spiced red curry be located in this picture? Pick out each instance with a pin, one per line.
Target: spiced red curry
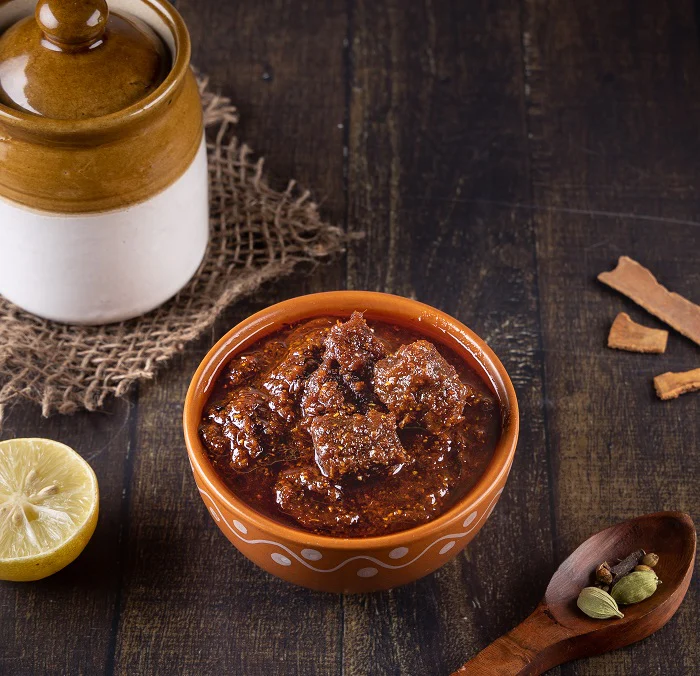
(350, 428)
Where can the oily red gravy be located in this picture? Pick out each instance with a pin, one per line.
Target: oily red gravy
(350, 428)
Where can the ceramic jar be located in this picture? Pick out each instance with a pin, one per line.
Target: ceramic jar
(103, 170)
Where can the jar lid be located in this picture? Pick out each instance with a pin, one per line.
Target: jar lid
(74, 59)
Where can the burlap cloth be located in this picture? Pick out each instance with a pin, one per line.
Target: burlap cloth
(256, 234)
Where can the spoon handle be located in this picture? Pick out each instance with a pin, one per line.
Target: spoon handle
(535, 645)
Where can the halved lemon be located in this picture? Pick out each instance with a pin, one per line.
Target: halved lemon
(49, 501)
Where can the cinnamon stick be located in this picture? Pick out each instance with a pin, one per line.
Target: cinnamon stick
(637, 283)
(672, 385)
(626, 334)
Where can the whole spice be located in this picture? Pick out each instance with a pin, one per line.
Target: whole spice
(603, 574)
(637, 283)
(650, 559)
(626, 334)
(598, 604)
(627, 564)
(671, 385)
(635, 587)
(631, 580)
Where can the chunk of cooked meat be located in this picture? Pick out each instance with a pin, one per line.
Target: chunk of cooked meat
(243, 369)
(353, 346)
(356, 444)
(306, 479)
(313, 500)
(421, 387)
(244, 429)
(296, 429)
(326, 392)
(343, 381)
(285, 382)
(421, 497)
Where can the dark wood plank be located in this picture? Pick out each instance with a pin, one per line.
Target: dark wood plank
(284, 68)
(190, 602)
(282, 64)
(612, 107)
(66, 623)
(494, 154)
(437, 114)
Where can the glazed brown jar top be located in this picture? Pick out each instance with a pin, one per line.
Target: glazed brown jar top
(74, 60)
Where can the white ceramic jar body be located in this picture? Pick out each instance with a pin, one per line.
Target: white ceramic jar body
(106, 267)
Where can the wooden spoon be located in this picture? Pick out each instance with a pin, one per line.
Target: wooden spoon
(558, 631)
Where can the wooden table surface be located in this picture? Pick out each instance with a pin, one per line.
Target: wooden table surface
(497, 156)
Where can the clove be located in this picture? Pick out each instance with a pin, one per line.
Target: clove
(627, 564)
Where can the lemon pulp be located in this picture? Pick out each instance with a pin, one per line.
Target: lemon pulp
(48, 507)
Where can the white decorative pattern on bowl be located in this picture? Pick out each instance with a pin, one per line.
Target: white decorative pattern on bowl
(352, 565)
(314, 555)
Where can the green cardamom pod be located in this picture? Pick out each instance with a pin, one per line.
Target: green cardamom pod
(598, 604)
(635, 587)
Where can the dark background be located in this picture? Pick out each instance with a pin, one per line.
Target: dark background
(498, 155)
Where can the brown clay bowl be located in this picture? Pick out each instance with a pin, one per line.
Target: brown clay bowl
(352, 564)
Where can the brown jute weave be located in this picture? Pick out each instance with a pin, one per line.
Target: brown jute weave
(256, 234)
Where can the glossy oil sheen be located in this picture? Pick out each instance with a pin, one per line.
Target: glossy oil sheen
(112, 161)
(386, 500)
(103, 218)
(55, 69)
(338, 564)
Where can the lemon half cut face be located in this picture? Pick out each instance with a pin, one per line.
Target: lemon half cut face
(49, 502)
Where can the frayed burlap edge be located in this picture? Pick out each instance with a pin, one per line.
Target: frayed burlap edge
(256, 234)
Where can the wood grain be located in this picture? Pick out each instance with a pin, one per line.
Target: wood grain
(437, 122)
(611, 115)
(558, 632)
(496, 158)
(190, 602)
(67, 623)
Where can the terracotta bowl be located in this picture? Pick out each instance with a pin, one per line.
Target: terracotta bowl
(352, 564)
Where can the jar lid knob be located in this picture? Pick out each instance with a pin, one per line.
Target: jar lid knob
(72, 24)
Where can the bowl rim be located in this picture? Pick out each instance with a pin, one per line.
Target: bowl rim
(335, 303)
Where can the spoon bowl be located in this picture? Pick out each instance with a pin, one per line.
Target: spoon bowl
(671, 535)
(558, 631)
